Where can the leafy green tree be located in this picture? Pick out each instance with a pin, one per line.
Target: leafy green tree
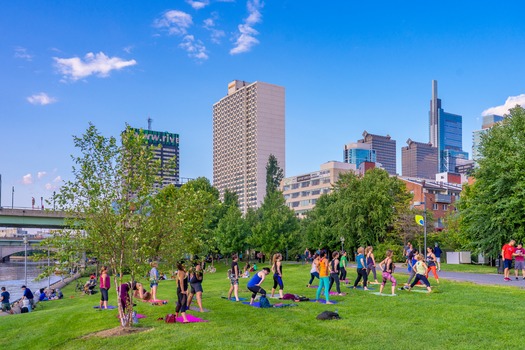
(274, 174)
(492, 208)
(109, 202)
(232, 232)
(276, 227)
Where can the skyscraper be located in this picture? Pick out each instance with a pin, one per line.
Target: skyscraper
(248, 126)
(167, 151)
(358, 152)
(445, 133)
(419, 160)
(488, 122)
(385, 149)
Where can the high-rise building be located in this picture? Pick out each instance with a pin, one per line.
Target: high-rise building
(248, 126)
(445, 134)
(357, 152)
(488, 122)
(419, 160)
(385, 149)
(167, 150)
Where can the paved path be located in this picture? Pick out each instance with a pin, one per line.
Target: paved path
(479, 278)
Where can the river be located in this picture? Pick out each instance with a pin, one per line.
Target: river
(12, 276)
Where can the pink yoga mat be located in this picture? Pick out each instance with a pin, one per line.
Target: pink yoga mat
(191, 319)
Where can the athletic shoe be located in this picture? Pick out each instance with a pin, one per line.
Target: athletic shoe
(506, 279)
(517, 278)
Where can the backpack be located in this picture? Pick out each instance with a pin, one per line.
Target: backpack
(170, 318)
(328, 315)
(264, 302)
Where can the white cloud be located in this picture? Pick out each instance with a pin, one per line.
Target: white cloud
(216, 34)
(21, 53)
(176, 22)
(194, 48)
(41, 99)
(58, 179)
(128, 49)
(50, 187)
(41, 174)
(27, 179)
(246, 36)
(197, 5)
(511, 102)
(99, 64)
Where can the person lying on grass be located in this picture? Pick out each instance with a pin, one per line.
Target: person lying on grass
(254, 285)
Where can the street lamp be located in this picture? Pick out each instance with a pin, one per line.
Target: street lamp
(25, 259)
(13, 198)
(424, 220)
(342, 244)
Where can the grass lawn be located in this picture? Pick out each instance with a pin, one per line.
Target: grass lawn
(455, 315)
(471, 268)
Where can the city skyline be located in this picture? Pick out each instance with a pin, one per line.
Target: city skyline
(346, 67)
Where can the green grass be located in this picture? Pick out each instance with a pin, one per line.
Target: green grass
(456, 315)
(471, 268)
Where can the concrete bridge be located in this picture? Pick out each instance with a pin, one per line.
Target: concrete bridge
(10, 246)
(30, 218)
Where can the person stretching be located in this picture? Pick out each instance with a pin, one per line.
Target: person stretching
(431, 263)
(313, 270)
(361, 268)
(324, 280)
(420, 268)
(277, 269)
(254, 284)
(196, 286)
(334, 273)
(371, 263)
(342, 267)
(182, 292)
(234, 278)
(387, 266)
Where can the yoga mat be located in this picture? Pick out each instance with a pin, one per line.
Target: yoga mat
(196, 308)
(335, 293)
(109, 307)
(233, 299)
(313, 287)
(258, 305)
(384, 295)
(191, 319)
(419, 291)
(138, 316)
(322, 301)
(360, 288)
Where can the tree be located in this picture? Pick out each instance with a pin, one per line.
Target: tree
(109, 202)
(274, 174)
(362, 210)
(277, 226)
(232, 232)
(492, 208)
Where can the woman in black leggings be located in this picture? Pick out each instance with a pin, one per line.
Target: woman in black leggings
(182, 292)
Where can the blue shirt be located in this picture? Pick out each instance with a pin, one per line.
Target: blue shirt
(359, 258)
(28, 294)
(437, 252)
(5, 295)
(256, 279)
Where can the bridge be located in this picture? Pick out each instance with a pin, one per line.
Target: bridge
(30, 218)
(10, 246)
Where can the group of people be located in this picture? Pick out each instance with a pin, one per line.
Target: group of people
(509, 252)
(27, 302)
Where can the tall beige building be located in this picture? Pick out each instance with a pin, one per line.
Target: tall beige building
(248, 126)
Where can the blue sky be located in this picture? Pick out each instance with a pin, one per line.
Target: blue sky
(347, 66)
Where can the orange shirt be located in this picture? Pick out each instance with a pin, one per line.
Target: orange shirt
(323, 268)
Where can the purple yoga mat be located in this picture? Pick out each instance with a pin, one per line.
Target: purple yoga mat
(191, 319)
(335, 293)
(322, 301)
(109, 307)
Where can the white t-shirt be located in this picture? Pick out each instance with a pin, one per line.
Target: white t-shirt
(314, 268)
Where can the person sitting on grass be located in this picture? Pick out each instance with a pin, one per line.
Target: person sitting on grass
(246, 271)
(420, 268)
(42, 296)
(254, 284)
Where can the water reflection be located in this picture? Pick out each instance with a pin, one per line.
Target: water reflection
(12, 276)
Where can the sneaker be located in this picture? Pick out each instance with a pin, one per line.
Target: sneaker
(517, 278)
(506, 279)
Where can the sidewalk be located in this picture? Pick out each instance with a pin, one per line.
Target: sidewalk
(479, 278)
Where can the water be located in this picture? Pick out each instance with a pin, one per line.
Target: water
(12, 277)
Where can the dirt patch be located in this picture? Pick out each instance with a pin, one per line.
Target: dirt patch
(118, 331)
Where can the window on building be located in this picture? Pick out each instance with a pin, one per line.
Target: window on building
(445, 207)
(295, 186)
(305, 193)
(305, 203)
(315, 182)
(434, 206)
(295, 194)
(295, 204)
(305, 184)
(286, 187)
(316, 192)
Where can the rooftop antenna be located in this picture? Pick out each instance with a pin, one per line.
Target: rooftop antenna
(149, 123)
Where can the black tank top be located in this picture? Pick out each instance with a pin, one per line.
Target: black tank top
(184, 283)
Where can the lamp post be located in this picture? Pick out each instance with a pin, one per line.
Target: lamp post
(25, 259)
(342, 244)
(424, 220)
(13, 198)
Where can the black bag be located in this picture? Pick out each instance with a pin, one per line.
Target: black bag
(24, 310)
(328, 315)
(264, 302)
